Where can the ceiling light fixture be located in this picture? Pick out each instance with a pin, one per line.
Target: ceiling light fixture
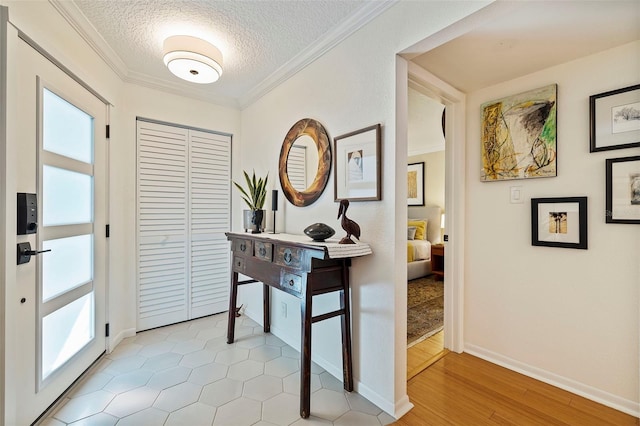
(192, 59)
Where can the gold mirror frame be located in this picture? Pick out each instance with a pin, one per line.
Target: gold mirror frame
(317, 132)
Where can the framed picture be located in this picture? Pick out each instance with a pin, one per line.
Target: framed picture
(357, 165)
(518, 136)
(614, 118)
(623, 190)
(415, 181)
(559, 222)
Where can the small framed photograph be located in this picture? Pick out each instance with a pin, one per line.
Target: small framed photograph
(614, 118)
(415, 182)
(357, 165)
(623, 190)
(559, 222)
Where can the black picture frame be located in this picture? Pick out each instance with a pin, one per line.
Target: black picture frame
(623, 190)
(607, 133)
(559, 222)
(358, 180)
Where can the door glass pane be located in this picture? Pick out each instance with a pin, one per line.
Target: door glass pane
(68, 265)
(67, 197)
(67, 130)
(65, 332)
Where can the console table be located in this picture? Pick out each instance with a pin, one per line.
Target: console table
(303, 268)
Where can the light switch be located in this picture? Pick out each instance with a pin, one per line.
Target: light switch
(516, 195)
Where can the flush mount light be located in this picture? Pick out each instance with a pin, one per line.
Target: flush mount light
(192, 59)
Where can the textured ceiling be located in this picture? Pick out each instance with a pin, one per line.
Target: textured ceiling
(261, 41)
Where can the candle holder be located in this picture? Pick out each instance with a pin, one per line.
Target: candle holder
(274, 207)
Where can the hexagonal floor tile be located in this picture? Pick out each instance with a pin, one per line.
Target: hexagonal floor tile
(281, 367)
(356, 418)
(291, 383)
(221, 392)
(100, 419)
(84, 406)
(208, 373)
(162, 361)
(94, 382)
(158, 348)
(232, 356)
(196, 359)
(127, 381)
(329, 404)
(358, 403)
(250, 342)
(240, 412)
(149, 416)
(245, 370)
(194, 414)
(282, 409)
(178, 396)
(265, 353)
(132, 401)
(169, 377)
(262, 387)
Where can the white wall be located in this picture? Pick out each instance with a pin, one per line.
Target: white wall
(351, 87)
(568, 316)
(434, 166)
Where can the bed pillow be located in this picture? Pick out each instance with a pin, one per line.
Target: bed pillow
(421, 229)
(411, 232)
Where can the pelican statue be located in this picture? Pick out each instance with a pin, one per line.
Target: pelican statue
(348, 225)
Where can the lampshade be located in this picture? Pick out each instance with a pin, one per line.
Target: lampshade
(192, 59)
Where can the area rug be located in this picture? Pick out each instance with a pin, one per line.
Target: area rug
(425, 309)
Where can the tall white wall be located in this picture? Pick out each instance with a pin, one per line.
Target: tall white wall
(568, 316)
(350, 87)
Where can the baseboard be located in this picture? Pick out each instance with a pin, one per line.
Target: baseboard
(395, 410)
(610, 400)
(115, 340)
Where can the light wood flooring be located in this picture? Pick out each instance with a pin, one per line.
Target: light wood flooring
(425, 353)
(460, 389)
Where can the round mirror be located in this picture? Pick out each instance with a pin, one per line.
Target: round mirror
(305, 162)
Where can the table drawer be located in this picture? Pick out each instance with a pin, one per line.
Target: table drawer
(291, 283)
(243, 247)
(263, 251)
(238, 264)
(288, 256)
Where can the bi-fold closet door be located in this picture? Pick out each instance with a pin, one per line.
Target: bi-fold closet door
(183, 211)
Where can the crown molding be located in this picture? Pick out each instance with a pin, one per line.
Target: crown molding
(70, 12)
(323, 45)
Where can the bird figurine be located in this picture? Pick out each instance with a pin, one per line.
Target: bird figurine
(348, 225)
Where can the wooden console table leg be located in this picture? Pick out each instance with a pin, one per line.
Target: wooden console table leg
(266, 314)
(305, 361)
(345, 305)
(233, 298)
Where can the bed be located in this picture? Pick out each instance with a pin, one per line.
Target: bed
(421, 233)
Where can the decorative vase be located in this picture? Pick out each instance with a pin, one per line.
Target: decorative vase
(319, 231)
(247, 221)
(257, 220)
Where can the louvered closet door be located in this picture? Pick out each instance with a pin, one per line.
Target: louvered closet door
(183, 212)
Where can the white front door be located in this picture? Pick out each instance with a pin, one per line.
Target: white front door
(62, 158)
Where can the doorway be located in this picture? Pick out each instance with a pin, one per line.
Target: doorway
(61, 329)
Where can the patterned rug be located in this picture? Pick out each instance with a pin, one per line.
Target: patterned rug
(425, 309)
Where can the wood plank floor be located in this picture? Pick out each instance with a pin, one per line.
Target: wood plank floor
(423, 354)
(461, 389)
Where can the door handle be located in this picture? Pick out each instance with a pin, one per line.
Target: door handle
(25, 252)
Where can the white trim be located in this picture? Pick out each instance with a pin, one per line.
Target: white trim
(610, 400)
(4, 36)
(455, 142)
(113, 342)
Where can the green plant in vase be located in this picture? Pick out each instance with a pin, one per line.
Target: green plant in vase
(255, 194)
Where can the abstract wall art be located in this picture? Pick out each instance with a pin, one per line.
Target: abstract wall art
(518, 136)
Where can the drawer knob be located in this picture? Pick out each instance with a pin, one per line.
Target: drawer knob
(287, 256)
(263, 251)
(291, 283)
(243, 247)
